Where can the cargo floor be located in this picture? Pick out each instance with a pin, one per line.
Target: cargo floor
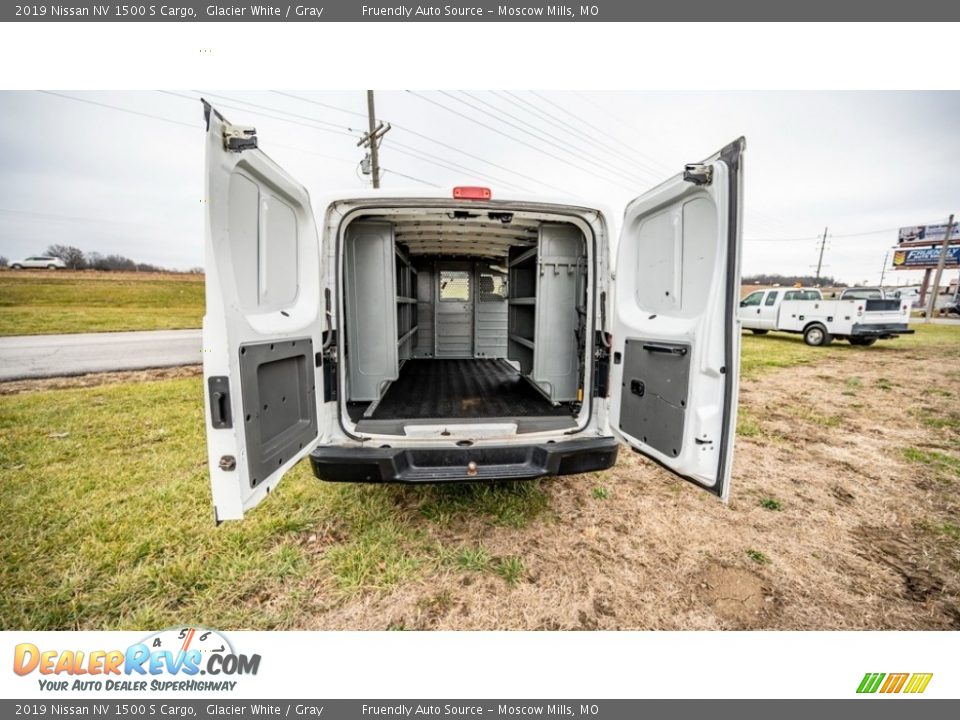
(461, 389)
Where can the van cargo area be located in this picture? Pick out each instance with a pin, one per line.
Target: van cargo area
(457, 317)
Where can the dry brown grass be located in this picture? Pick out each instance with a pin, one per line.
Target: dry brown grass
(863, 540)
(15, 387)
(119, 275)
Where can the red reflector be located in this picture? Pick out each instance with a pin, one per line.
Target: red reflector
(472, 193)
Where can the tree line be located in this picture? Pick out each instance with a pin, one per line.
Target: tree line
(76, 259)
(786, 280)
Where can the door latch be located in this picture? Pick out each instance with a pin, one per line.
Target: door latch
(698, 174)
(218, 387)
(238, 138)
(637, 387)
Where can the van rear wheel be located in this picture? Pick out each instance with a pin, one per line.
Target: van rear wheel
(863, 341)
(817, 336)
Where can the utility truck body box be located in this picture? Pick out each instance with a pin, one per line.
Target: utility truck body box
(860, 321)
(421, 336)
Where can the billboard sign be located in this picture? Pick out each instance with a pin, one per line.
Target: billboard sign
(922, 258)
(926, 234)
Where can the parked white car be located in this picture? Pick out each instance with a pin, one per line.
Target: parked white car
(39, 261)
(426, 336)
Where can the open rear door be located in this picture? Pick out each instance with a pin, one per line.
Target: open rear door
(676, 352)
(262, 329)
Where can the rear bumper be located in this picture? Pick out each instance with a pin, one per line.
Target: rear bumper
(450, 464)
(885, 330)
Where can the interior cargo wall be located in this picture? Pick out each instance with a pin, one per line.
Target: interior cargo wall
(371, 324)
(424, 347)
(490, 323)
(547, 302)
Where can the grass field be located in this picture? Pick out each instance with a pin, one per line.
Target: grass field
(106, 520)
(42, 302)
(779, 350)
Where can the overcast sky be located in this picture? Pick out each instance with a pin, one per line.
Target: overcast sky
(864, 164)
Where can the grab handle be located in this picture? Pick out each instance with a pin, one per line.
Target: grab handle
(680, 350)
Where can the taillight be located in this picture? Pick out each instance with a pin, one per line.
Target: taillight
(468, 192)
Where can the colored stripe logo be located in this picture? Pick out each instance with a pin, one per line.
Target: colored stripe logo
(913, 683)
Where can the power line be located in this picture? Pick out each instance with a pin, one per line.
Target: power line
(793, 239)
(340, 129)
(410, 177)
(655, 174)
(618, 141)
(506, 135)
(866, 232)
(256, 112)
(461, 151)
(515, 139)
(321, 104)
(391, 143)
(564, 145)
(448, 165)
(766, 220)
(120, 109)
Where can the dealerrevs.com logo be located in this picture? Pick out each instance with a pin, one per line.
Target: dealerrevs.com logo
(173, 659)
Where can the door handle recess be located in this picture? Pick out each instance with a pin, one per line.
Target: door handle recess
(666, 349)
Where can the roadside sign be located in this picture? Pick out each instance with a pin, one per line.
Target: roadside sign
(922, 258)
(925, 234)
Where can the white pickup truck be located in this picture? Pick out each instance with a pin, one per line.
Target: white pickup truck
(861, 321)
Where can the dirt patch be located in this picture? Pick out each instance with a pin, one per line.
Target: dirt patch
(735, 595)
(15, 387)
(906, 556)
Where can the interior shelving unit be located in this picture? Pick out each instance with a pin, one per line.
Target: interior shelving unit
(545, 291)
(406, 297)
(522, 314)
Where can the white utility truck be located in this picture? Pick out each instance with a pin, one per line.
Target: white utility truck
(804, 310)
(424, 336)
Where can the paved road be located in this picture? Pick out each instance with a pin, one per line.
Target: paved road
(40, 356)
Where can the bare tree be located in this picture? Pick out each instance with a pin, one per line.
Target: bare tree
(785, 280)
(72, 256)
(3, 261)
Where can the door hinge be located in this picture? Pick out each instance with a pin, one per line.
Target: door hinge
(238, 138)
(698, 174)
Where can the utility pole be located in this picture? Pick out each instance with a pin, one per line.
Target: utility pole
(823, 244)
(932, 302)
(883, 270)
(371, 139)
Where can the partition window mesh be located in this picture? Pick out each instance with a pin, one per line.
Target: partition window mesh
(493, 287)
(454, 285)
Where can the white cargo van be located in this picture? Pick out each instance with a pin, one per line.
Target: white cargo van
(425, 336)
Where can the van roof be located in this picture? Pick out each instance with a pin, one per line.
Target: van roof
(446, 194)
